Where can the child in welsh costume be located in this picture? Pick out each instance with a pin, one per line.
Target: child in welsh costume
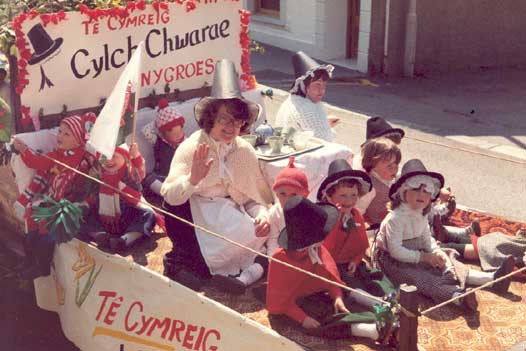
(303, 110)
(294, 294)
(407, 252)
(121, 217)
(347, 242)
(290, 182)
(165, 134)
(57, 182)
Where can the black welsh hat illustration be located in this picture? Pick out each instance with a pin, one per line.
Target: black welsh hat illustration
(42, 43)
(305, 66)
(306, 223)
(340, 169)
(226, 86)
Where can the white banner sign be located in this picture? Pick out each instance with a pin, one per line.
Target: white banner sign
(75, 59)
(106, 303)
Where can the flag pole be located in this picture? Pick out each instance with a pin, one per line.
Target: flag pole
(137, 93)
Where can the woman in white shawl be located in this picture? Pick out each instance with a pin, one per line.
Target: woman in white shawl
(215, 182)
(303, 110)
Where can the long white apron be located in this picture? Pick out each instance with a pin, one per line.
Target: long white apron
(223, 216)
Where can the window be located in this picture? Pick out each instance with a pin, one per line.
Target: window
(269, 8)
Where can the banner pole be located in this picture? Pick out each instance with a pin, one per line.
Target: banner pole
(137, 93)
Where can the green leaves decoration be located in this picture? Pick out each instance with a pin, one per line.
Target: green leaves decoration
(62, 218)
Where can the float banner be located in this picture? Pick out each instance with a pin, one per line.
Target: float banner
(77, 60)
(106, 303)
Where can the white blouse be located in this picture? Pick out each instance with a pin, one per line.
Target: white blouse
(403, 224)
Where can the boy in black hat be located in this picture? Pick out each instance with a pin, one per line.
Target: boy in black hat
(347, 242)
(302, 109)
(307, 225)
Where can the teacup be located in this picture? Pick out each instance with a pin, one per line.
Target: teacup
(275, 143)
(301, 139)
(251, 138)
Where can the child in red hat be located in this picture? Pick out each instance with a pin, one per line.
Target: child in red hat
(55, 181)
(121, 219)
(290, 182)
(165, 134)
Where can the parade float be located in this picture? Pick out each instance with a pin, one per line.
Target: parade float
(68, 62)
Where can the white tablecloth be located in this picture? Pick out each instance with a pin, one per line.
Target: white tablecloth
(315, 164)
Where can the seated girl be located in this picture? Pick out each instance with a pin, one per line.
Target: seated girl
(120, 219)
(347, 242)
(408, 254)
(165, 134)
(293, 293)
(215, 182)
(303, 110)
(380, 160)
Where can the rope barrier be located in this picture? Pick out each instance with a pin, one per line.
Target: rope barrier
(342, 286)
(217, 235)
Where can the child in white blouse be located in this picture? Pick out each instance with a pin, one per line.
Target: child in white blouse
(408, 253)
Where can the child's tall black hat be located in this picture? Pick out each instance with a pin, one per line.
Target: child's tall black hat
(340, 169)
(377, 127)
(306, 223)
(413, 168)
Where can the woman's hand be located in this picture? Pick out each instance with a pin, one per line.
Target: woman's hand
(333, 120)
(310, 323)
(339, 306)
(351, 268)
(19, 145)
(200, 164)
(262, 226)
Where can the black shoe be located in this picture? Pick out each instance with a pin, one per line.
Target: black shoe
(228, 284)
(184, 277)
(475, 227)
(505, 268)
(470, 302)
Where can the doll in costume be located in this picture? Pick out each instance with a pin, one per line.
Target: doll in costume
(121, 219)
(57, 182)
(165, 134)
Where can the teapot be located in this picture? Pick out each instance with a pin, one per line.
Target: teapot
(263, 131)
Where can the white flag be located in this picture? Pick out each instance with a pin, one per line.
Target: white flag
(103, 136)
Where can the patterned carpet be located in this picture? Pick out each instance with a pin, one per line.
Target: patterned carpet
(499, 324)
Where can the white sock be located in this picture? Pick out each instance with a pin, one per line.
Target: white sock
(363, 300)
(457, 302)
(479, 278)
(251, 274)
(365, 330)
(156, 186)
(130, 237)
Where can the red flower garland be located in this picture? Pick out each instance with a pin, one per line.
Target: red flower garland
(244, 40)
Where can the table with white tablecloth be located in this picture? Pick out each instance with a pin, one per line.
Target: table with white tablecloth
(314, 163)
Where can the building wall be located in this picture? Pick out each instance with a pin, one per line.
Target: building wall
(318, 27)
(458, 34)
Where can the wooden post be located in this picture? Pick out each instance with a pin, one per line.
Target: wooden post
(408, 325)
